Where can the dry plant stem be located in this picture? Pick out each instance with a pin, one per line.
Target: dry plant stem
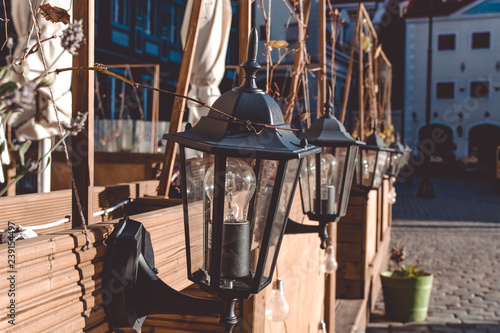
(35, 48)
(301, 59)
(292, 12)
(268, 38)
(56, 110)
(250, 125)
(6, 21)
(334, 27)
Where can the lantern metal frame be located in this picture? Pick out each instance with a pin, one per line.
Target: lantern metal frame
(244, 123)
(396, 158)
(326, 132)
(375, 144)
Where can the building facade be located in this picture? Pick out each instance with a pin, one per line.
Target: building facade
(465, 85)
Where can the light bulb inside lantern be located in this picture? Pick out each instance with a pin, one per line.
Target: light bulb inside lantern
(277, 308)
(367, 168)
(329, 264)
(239, 188)
(329, 175)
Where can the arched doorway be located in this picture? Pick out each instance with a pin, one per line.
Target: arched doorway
(443, 151)
(483, 142)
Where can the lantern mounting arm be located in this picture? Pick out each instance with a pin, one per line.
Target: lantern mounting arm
(293, 227)
(132, 289)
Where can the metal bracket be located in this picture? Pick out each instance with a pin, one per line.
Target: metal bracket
(293, 227)
(131, 288)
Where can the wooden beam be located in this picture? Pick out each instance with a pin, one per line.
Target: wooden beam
(347, 89)
(180, 103)
(366, 16)
(361, 86)
(245, 27)
(299, 59)
(155, 117)
(322, 58)
(330, 284)
(82, 152)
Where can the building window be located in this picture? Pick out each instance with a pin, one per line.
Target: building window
(176, 15)
(119, 13)
(481, 40)
(479, 89)
(446, 42)
(445, 90)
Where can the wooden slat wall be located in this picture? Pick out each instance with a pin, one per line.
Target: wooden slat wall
(56, 278)
(41, 208)
(363, 249)
(362, 239)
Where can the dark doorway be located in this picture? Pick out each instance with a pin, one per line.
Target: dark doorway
(443, 151)
(483, 143)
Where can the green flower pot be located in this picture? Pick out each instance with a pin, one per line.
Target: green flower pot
(406, 299)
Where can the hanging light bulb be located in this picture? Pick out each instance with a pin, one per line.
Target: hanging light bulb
(322, 327)
(329, 264)
(392, 196)
(277, 308)
(239, 188)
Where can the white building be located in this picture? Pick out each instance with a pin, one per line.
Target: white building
(465, 98)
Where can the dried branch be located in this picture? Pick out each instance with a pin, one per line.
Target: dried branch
(6, 21)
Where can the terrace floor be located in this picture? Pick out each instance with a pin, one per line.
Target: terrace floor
(455, 236)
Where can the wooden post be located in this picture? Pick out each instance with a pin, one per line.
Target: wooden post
(155, 117)
(82, 153)
(245, 27)
(297, 66)
(180, 103)
(322, 58)
(361, 86)
(330, 285)
(345, 98)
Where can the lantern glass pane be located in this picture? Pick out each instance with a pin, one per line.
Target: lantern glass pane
(199, 212)
(367, 166)
(380, 168)
(265, 187)
(395, 163)
(308, 183)
(281, 216)
(350, 160)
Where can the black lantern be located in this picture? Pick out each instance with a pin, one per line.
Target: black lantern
(396, 158)
(372, 163)
(406, 156)
(240, 166)
(326, 178)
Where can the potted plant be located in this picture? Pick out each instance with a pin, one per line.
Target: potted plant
(407, 290)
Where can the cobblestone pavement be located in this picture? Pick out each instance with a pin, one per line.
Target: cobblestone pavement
(455, 236)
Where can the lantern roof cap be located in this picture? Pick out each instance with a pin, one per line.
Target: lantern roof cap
(248, 122)
(374, 141)
(328, 130)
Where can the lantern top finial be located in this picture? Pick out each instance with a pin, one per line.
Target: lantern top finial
(251, 66)
(328, 103)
